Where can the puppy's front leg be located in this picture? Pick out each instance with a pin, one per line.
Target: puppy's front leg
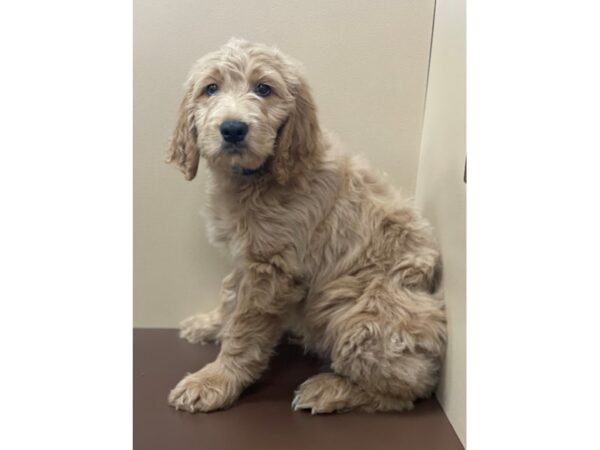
(248, 341)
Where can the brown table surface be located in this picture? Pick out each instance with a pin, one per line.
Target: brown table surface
(262, 418)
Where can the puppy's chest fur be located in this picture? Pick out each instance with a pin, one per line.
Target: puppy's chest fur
(258, 224)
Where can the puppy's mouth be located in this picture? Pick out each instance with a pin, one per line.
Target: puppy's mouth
(239, 159)
(233, 149)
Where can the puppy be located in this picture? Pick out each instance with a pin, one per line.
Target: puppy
(321, 246)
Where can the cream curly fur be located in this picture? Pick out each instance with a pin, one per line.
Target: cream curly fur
(322, 247)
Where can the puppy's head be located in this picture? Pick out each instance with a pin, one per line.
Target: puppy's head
(246, 109)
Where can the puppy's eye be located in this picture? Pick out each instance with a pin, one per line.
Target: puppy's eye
(262, 89)
(211, 89)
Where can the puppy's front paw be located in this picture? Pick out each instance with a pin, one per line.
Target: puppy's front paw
(200, 328)
(206, 390)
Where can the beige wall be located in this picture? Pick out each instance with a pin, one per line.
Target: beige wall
(367, 63)
(441, 192)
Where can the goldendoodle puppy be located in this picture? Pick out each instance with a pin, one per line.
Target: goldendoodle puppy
(321, 246)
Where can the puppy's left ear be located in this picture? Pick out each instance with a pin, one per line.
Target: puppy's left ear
(298, 139)
(183, 148)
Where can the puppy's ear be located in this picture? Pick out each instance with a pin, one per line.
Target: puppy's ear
(297, 142)
(183, 149)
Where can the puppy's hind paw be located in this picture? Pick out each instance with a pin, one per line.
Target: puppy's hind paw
(326, 393)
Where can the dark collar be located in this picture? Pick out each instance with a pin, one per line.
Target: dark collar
(237, 170)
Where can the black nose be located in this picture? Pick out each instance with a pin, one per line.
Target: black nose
(233, 131)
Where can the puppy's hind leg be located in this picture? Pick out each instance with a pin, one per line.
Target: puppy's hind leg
(206, 327)
(394, 363)
(382, 358)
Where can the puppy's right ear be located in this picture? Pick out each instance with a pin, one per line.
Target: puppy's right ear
(183, 149)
